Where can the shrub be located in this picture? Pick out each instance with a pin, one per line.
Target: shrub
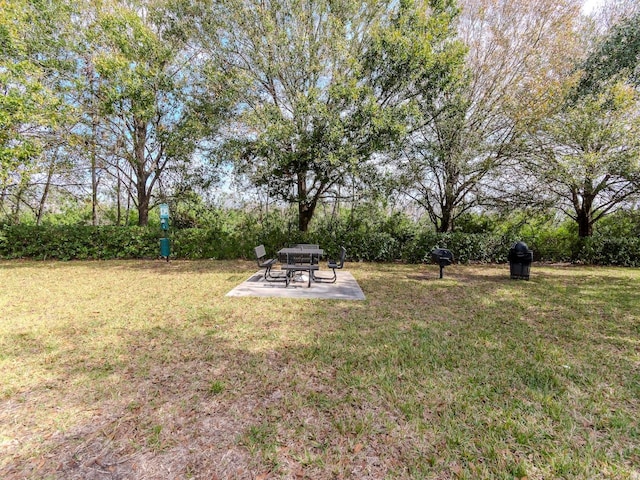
(383, 241)
(599, 250)
(66, 242)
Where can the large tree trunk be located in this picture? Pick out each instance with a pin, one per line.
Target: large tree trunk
(143, 207)
(583, 204)
(448, 200)
(447, 209)
(445, 220)
(143, 193)
(306, 206)
(585, 224)
(305, 214)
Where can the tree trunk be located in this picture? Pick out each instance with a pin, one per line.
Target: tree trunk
(93, 153)
(585, 224)
(94, 190)
(94, 186)
(143, 205)
(305, 208)
(305, 214)
(445, 220)
(94, 173)
(447, 201)
(16, 210)
(45, 194)
(144, 195)
(583, 203)
(118, 200)
(126, 220)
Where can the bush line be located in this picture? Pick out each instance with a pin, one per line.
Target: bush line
(109, 242)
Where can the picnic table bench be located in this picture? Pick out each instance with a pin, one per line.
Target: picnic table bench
(291, 269)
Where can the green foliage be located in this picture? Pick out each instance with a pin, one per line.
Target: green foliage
(466, 247)
(475, 223)
(145, 83)
(616, 56)
(598, 250)
(69, 242)
(189, 211)
(328, 86)
(558, 245)
(193, 243)
(31, 105)
(591, 152)
(623, 223)
(367, 235)
(71, 214)
(549, 238)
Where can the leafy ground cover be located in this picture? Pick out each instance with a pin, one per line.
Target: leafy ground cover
(142, 369)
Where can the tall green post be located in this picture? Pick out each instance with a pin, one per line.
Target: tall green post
(165, 245)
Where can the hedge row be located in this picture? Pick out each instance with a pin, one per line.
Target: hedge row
(86, 242)
(76, 242)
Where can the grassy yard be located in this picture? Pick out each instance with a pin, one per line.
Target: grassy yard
(143, 369)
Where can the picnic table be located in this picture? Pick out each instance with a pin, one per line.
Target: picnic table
(300, 259)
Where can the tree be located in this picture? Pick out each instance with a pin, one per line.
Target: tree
(33, 113)
(149, 82)
(473, 130)
(320, 93)
(587, 154)
(611, 13)
(616, 55)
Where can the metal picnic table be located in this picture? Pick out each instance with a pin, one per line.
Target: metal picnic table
(300, 259)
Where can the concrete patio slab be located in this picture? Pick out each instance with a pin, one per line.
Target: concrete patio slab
(345, 288)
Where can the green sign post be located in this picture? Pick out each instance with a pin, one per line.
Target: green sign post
(165, 245)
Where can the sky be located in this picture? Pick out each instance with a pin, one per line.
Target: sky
(589, 5)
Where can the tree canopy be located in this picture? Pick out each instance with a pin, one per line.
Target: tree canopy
(472, 130)
(31, 102)
(589, 154)
(617, 55)
(124, 104)
(327, 85)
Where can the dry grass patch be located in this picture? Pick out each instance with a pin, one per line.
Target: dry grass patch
(146, 370)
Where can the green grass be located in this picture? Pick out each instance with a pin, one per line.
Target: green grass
(146, 370)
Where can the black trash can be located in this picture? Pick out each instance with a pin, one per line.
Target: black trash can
(520, 258)
(442, 257)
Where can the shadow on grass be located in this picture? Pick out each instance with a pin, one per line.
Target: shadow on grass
(151, 265)
(415, 382)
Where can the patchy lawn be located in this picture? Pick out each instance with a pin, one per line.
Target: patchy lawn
(143, 369)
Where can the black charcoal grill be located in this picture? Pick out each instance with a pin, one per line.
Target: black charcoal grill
(442, 257)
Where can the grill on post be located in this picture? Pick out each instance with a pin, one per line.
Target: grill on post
(442, 257)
